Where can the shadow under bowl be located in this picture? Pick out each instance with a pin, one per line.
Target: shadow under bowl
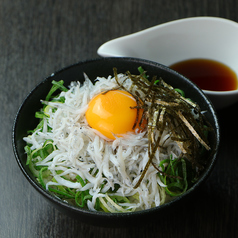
(25, 120)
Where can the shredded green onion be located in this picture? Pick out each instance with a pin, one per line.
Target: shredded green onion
(56, 86)
(174, 176)
(181, 92)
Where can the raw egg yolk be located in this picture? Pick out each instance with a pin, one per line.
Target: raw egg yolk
(112, 113)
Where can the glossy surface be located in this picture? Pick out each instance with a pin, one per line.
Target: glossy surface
(208, 74)
(41, 36)
(112, 113)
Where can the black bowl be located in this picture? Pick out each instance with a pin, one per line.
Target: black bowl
(25, 120)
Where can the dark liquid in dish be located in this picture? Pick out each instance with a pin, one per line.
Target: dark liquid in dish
(208, 74)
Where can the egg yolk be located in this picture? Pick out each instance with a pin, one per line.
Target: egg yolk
(112, 113)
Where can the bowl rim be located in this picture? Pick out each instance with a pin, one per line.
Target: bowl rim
(79, 210)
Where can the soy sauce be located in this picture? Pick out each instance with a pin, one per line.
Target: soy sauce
(208, 74)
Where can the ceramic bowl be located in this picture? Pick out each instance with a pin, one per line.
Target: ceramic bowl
(25, 120)
(197, 37)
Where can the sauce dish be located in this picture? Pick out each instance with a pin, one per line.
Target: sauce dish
(196, 37)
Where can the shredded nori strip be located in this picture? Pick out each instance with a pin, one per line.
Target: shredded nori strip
(166, 107)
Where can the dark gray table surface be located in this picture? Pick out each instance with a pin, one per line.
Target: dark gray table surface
(41, 36)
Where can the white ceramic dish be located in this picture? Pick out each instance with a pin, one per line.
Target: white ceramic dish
(197, 37)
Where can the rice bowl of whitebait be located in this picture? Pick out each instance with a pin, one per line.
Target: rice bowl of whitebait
(111, 141)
